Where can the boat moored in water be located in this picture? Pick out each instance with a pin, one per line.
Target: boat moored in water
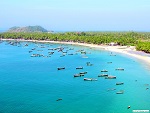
(110, 77)
(119, 83)
(103, 75)
(89, 64)
(90, 79)
(61, 68)
(119, 69)
(109, 62)
(104, 70)
(112, 89)
(83, 72)
(120, 92)
(77, 75)
(79, 67)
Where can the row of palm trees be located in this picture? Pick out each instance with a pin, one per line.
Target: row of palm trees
(122, 38)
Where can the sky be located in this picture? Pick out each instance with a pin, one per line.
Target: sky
(77, 15)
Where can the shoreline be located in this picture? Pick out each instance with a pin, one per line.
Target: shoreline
(128, 50)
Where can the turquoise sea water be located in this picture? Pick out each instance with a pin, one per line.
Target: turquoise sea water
(34, 85)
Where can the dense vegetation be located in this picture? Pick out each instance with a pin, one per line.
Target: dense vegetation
(140, 40)
(27, 29)
(143, 46)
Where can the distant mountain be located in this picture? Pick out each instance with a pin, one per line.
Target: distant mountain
(27, 29)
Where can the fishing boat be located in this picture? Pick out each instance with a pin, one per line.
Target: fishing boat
(50, 49)
(119, 69)
(59, 99)
(26, 45)
(112, 89)
(83, 52)
(71, 48)
(83, 72)
(70, 54)
(120, 92)
(89, 64)
(112, 55)
(109, 62)
(61, 68)
(104, 70)
(90, 79)
(79, 67)
(77, 75)
(50, 53)
(119, 83)
(110, 77)
(62, 55)
(64, 52)
(35, 55)
(103, 75)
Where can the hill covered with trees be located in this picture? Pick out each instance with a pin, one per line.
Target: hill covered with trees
(27, 29)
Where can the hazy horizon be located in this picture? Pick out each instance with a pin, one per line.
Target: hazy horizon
(85, 15)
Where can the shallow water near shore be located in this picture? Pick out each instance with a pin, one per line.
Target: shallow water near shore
(33, 84)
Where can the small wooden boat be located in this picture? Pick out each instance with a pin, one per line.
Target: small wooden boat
(110, 77)
(26, 45)
(33, 48)
(83, 52)
(71, 48)
(62, 55)
(90, 79)
(89, 64)
(120, 92)
(50, 53)
(112, 55)
(104, 70)
(112, 89)
(61, 68)
(87, 79)
(59, 99)
(83, 72)
(109, 62)
(70, 54)
(103, 75)
(64, 52)
(119, 83)
(35, 55)
(50, 49)
(119, 69)
(128, 107)
(79, 67)
(77, 75)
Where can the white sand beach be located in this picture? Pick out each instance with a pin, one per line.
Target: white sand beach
(128, 50)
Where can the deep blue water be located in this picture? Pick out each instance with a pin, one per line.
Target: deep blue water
(33, 84)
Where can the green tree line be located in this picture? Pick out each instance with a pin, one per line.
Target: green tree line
(138, 39)
(143, 46)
